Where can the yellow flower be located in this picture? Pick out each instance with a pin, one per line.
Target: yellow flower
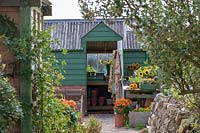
(108, 61)
(146, 72)
(139, 73)
(101, 61)
(137, 66)
(133, 86)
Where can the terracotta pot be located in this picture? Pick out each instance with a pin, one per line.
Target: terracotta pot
(101, 101)
(94, 101)
(119, 120)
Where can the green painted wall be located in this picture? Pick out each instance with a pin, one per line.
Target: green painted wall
(133, 56)
(75, 69)
(102, 33)
(25, 73)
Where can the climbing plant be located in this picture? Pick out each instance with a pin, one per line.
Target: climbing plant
(48, 113)
(10, 107)
(8, 26)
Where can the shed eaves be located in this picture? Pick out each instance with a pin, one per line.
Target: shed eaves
(70, 31)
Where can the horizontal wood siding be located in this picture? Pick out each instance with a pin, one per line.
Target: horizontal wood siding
(102, 33)
(74, 71)
(133, 56)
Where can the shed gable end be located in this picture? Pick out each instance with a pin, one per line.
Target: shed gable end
(102, 32)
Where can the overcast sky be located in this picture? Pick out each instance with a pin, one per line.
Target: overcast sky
(65, 9)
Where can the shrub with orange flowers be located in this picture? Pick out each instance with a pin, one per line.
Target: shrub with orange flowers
(122, 105)
(70, 103)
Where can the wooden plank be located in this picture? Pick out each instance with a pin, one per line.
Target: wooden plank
(134, 54)
(139, 95)
(102, 38)
(19, 3)
(70, 67)
(73, 61)
(133, 60)
(67, 82)
(75, 72)
(97, 83)
(102, 34)
(72, 55)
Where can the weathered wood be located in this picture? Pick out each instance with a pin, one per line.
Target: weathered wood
(19, 2)
(32, 3)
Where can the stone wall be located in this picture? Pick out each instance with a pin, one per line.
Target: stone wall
(168, 116)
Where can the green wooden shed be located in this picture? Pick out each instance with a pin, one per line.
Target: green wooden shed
(87, 43)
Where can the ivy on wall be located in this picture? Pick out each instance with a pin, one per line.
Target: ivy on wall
(10, 107)
(8, 26)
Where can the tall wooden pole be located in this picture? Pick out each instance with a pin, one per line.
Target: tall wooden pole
(25, 69)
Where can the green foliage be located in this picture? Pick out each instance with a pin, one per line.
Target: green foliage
(91, 69)
(8, 26)
(139, 126)
(93, 125)
(148, 109)
(48, 112)
(10, 108)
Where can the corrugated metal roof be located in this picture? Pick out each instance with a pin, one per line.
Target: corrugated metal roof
(70, 31)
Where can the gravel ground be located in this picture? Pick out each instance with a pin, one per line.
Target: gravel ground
(108, 124)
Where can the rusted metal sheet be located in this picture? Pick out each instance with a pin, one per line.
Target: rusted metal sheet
(70, 31)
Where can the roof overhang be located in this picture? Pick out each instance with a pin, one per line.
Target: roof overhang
(31, 3)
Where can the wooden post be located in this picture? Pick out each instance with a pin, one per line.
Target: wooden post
(25, 71)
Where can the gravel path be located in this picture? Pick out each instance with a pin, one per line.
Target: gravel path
(108, 124)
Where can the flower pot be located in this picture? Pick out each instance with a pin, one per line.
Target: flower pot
(101, 101)
(108, 69)
(119, 120)
(109, 101)
(149, 87)
(136, 118)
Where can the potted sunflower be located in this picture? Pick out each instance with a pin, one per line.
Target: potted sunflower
(134, 82)
(108, 63)
(148, 75)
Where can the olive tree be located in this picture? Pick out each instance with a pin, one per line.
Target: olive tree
(169, 30)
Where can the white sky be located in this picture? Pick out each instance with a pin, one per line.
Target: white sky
(64, 9)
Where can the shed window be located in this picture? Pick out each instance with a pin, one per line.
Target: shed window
(94, 61)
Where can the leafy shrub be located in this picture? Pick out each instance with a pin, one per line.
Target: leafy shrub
(10, 108)
(93, 125)
(139, 126)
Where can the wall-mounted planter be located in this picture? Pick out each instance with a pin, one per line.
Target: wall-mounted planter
(95, 76)
(149, 87)
(136, 118)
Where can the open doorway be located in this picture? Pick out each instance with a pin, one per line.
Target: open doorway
(99, 100)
